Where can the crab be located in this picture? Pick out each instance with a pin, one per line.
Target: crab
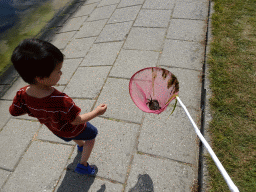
(153, 104)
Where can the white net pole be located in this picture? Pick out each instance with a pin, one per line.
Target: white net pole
(228, 180)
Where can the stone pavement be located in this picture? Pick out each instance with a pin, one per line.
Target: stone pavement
(105, 42)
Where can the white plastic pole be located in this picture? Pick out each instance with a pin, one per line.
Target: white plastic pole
(228, 180)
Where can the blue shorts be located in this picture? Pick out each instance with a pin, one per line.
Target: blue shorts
(89, 133)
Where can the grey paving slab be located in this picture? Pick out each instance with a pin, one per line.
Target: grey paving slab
(91, 29)
(102, 54)
(85, 10)
(153, 174)
(68, 68)
(159, 4)
(108, 2)
(3, 176)
(102, 13)
(61, 40)
(87, 82)
(91, 1)
(127, 3)
(46, 135)
(189, 30)
(19, 83)
(189, 86)
(130, 61)
(183, 54)
(114, 32)
(4, 111)
(115, 94)
(40, 168)
(73, 24)
(153, 18)
(113, 148)
(125, 14)
(15, 136)
(191, 10)
(173, 138)
(145, 39)
(71, 181)
(78, 47)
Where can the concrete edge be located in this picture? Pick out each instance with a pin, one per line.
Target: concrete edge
(10, 73)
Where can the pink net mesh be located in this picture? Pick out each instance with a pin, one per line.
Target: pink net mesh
(153, 88)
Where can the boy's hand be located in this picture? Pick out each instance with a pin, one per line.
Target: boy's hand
(101, 109)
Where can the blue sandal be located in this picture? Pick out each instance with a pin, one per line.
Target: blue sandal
(80, 148)
(85, 170)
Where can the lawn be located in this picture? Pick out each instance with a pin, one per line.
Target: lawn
(232, 62)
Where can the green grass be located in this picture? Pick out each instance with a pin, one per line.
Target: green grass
(29, 27)
(233, 103)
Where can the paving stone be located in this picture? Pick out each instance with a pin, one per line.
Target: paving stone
(87, 82)
(85, 10)
(127, 3)
(113, 148)
(46, 135)
(131, 61)
(108, 2)
(71, 181)
(10, 94)
(73, 24)
(4, 111)
(153, 174)
(61, 40)
(102, 13)
(114, 32)
(78, 47)
(153, 18)
(172, 138)
(124, 14)
(49, 158)
(189, 86)
(21, 133)
(84, 105)
(3, 176)
(115, 94)
(91, 29)
(182, 54)
(145, 39)
(102, 54)
(91, 1)
(189, 30)
(158, 4)
(191, 10)
(68, 69)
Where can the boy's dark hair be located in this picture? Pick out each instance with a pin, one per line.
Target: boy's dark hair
(35, 58)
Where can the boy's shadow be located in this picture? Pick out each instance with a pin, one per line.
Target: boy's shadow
(75, 182)
(144, 184)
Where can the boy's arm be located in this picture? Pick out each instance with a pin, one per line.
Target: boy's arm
(80, 119)
(17, 107)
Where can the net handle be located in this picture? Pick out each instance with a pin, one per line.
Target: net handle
(222, 170)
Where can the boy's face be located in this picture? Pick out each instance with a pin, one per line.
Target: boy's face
(54, 77)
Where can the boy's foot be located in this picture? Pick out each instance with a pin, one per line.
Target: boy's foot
(85, 170)
(80, 148)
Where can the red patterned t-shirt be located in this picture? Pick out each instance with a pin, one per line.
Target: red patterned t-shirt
(57, 111)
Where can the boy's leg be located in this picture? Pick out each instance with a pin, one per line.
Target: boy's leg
(87, 149)
(80, 143)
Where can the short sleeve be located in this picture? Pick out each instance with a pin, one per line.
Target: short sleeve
(18, 106)
(69, 110)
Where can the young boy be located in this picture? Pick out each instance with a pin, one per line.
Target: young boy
(39, 64)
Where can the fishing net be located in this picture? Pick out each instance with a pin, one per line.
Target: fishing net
(153, 88)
